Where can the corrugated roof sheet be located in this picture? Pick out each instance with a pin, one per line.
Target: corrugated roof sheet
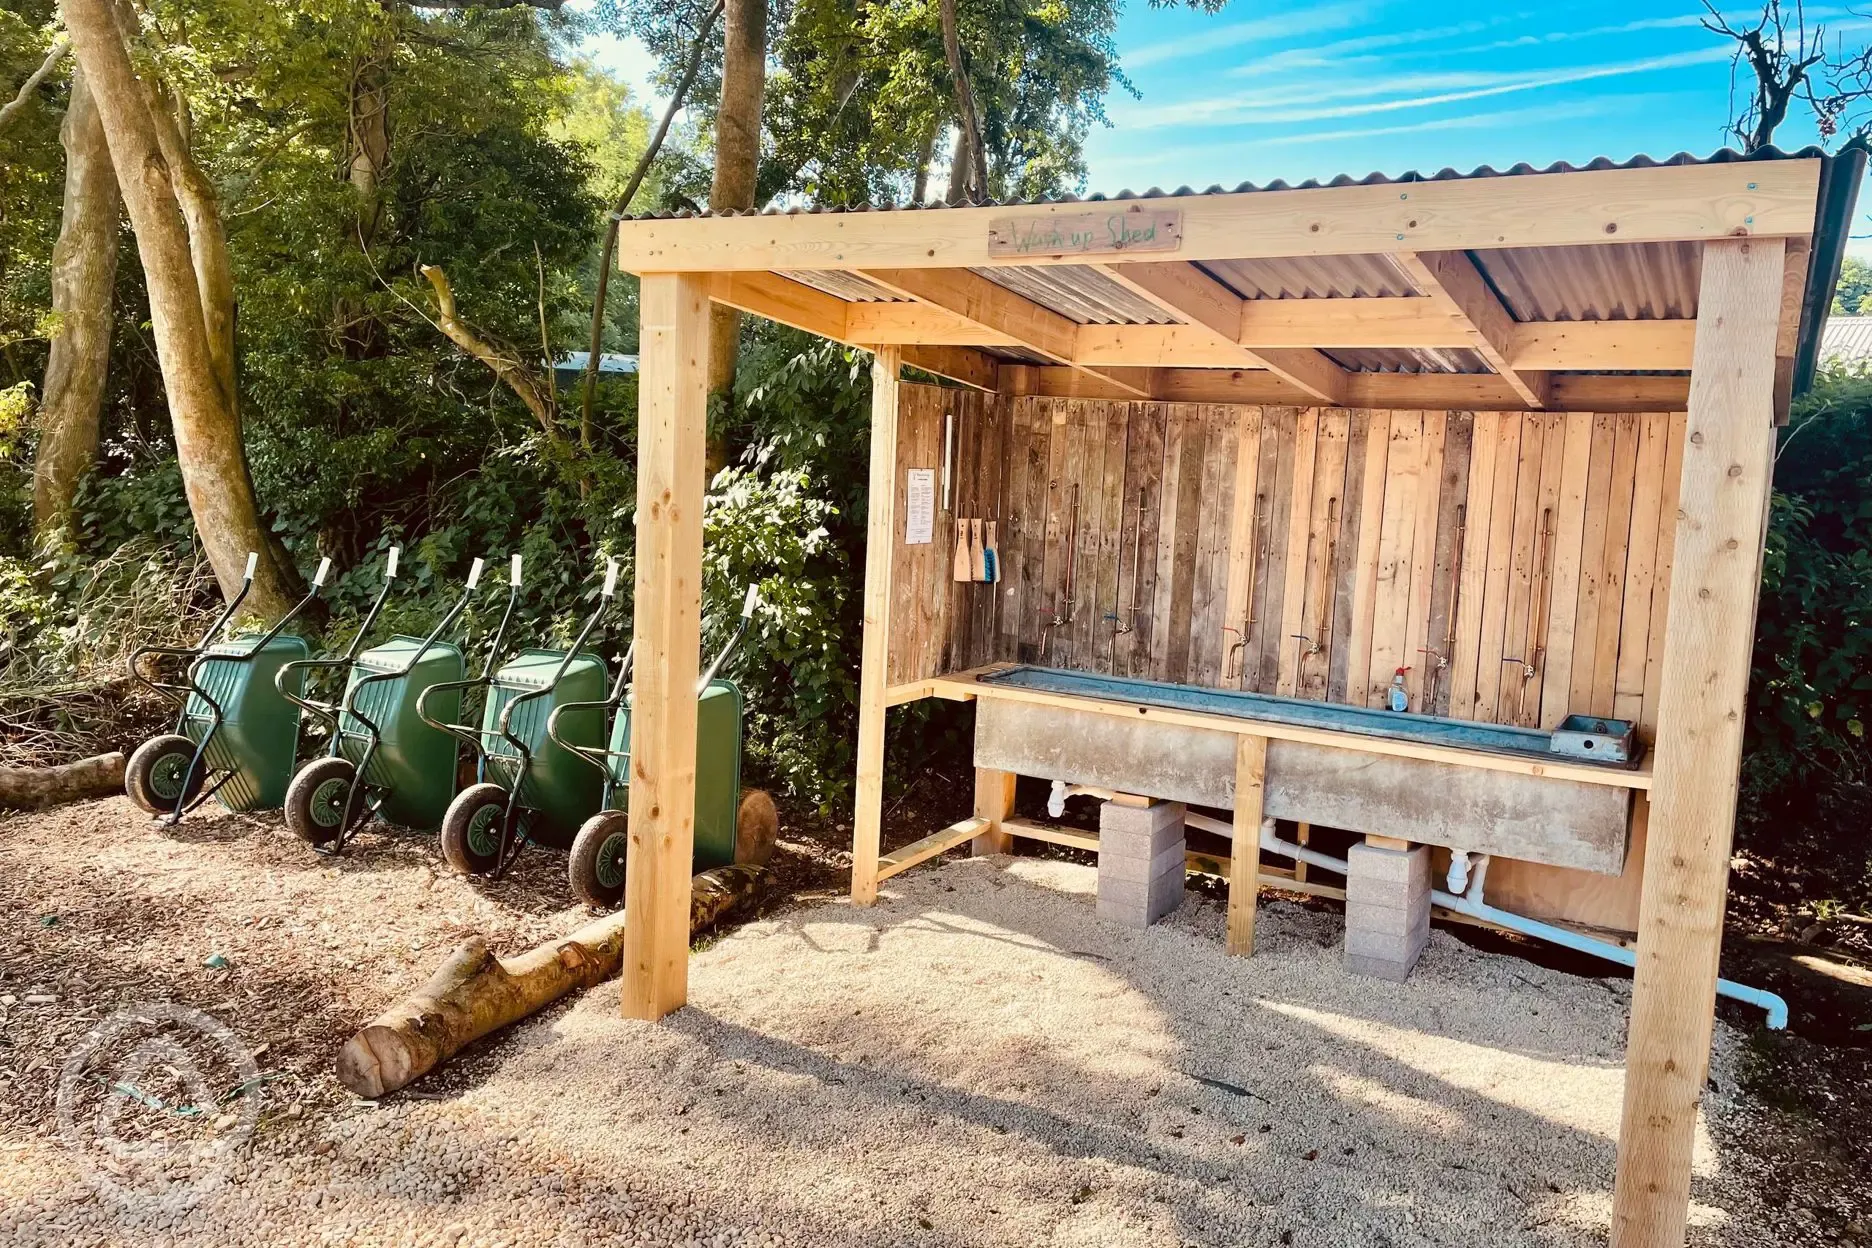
(1312, 277)
(851, 287)
(1079, 293)
(1846, 339)
(1722, 156)
(1606, 282)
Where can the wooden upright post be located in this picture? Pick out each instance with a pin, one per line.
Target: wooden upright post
(1245, 854)
(1702, 700)
(880, 535)
(994, 801)
(672, 418)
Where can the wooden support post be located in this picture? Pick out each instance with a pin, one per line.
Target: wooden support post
(672, 423)
(1245, 854)
(880, 538)
(994, 801)
(1303, 836)
(1703, 685)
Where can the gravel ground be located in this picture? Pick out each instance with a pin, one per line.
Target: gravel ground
(978, 1060)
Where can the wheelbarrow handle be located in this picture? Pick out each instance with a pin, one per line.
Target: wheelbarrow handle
(326, 711)
(464, 732)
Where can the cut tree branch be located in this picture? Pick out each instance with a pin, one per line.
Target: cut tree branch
(54, 55)
(505, 364)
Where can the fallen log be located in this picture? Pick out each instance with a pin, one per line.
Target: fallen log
(33, 788)
(476, 993)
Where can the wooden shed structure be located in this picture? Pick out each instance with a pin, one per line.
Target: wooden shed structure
(1510, 431)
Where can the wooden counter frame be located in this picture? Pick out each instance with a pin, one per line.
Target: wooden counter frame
(1754, 221)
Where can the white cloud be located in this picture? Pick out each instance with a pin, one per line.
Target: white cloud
(1329, 54)
(1261, 29)
(1262, 107)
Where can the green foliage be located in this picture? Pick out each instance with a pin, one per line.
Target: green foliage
(1807, 760)
(1855, 284)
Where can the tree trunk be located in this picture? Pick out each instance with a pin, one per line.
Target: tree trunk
(475, 993)
(972, 154)
(959, 168)
(31, 788)
(737, 169)
(207, 430)
(926, 151)
(84, 274)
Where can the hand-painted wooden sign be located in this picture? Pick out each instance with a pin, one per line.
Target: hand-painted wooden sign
(1083, 234)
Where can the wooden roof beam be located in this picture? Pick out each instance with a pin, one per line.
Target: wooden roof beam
(1765, 198)
(960, 364)
(1452, 279)
(1585, 392)
(993, 307)
(784, 300)
(1189, 294)
(1326, 323)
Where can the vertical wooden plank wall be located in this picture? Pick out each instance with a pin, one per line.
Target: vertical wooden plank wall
(1516, 564)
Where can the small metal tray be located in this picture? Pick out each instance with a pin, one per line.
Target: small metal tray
(1596, 739)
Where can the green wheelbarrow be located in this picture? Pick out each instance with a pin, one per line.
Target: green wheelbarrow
(236, 735)
(731, 825)
(407, 768)
(529, 788)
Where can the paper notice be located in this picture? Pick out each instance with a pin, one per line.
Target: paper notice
(920, 523)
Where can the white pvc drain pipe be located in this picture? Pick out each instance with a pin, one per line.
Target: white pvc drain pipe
(1468, 873)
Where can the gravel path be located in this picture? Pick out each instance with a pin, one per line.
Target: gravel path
(979, 1060)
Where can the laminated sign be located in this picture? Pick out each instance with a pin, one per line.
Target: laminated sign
(920, 507)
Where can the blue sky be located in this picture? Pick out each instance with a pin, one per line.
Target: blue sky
(1309, 90)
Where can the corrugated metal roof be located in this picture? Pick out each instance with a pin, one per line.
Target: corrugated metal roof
(1720, 157)
(1408, 359)
(851, 287)
(1312, 277)
(1606, 282)
(1846, 340)
(1079, 293)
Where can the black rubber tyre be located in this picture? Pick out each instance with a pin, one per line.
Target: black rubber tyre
(757, 828)
(471, 830)
(153, 776)
(316, 800)
(596, 865)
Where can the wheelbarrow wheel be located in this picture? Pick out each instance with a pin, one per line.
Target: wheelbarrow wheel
(154, 776)
(471, 830)
(757, 827)
(316, 800)
(596, 865)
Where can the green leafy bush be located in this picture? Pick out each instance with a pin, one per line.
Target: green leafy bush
(1807, 766)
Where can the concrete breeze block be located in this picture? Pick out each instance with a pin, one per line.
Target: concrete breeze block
(1141, 862)
(1139, 892)
(1384, 945)
(1387, 920)
(1401, 866)
(1380, 968)
(1125, 867)
(1387, 910)
(1142, 831)
(1136, 917)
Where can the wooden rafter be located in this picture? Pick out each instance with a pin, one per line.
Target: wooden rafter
(1662, 204)
(1191, 295)
(1451, 278)
(993, 307)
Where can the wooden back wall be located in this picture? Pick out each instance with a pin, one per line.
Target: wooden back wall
(1301, 551)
